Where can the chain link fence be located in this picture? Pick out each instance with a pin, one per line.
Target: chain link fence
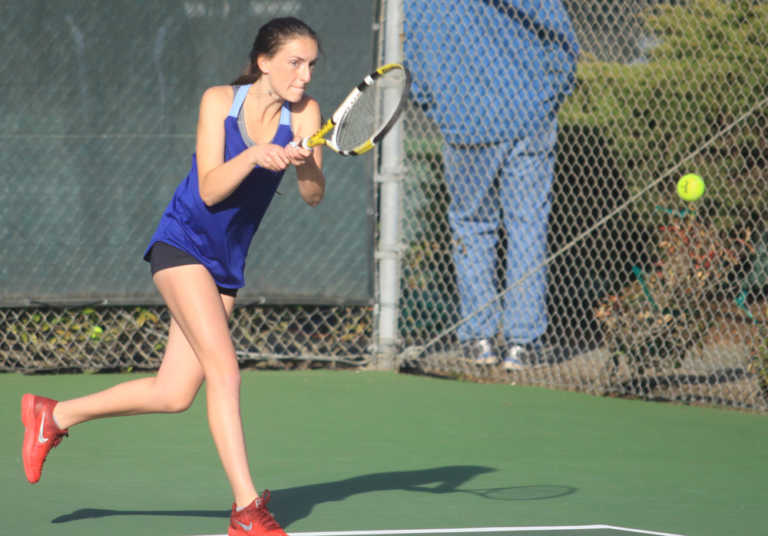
(54, 339)
(645, 295)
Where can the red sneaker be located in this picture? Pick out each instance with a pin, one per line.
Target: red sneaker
(254, 520)
(41, 433)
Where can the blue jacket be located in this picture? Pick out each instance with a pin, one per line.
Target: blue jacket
(489, 70)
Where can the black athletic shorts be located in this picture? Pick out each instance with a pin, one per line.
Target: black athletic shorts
(163, 255)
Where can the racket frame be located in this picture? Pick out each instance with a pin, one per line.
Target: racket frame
(318, 138)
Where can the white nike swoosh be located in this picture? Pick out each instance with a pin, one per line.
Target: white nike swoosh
(245, 527)
(40, 437)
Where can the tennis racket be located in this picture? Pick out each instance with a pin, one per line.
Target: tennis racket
(365, 116)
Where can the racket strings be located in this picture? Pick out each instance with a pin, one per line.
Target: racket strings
(372, 110)
(359, 123)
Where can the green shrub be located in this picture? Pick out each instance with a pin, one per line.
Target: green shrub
(709, 67)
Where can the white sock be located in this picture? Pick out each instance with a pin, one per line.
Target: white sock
(257, 500)
(53, 417)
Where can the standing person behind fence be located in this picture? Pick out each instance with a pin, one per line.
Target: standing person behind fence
(492, 74)
(197, 257)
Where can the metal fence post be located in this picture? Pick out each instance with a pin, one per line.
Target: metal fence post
(388, 177)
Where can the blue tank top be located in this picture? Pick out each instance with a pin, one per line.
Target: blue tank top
(219, 236)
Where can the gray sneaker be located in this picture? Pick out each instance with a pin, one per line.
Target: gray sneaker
(516, 357)
(520, 356)
(481, 352)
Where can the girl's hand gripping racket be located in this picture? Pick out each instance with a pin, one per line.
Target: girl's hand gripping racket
(366, 114)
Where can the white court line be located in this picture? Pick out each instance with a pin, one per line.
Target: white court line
(477, 530)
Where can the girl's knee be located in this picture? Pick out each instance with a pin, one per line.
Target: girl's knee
(172, 400)
(177, 403)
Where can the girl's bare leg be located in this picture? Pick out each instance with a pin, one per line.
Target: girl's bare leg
(202, 315)
(199, 348)
(171, 390)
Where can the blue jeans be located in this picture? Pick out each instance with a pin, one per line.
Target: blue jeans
(507, 184)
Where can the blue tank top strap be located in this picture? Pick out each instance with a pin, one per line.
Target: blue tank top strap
(285, 114)
(240, 93)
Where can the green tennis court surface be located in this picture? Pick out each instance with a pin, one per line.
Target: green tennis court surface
(397, 454)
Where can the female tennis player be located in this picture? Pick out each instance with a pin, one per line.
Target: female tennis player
(197, 255)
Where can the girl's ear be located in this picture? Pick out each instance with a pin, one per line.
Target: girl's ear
(263, 63)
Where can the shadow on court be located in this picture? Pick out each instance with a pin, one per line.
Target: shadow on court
(292, 504)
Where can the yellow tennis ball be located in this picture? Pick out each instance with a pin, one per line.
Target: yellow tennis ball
(690, 187)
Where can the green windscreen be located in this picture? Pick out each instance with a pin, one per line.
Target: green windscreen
(98, 111)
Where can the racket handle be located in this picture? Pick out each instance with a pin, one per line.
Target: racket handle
(304, 144)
